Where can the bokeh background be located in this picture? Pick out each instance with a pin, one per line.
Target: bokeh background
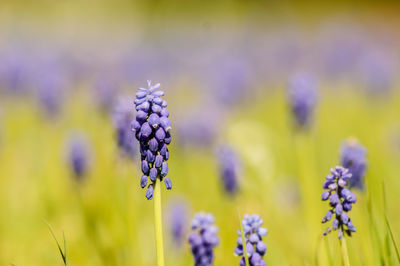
(69, 70)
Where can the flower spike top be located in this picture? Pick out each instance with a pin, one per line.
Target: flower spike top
(177, 221)
(79, 156)
(203, 239)
(302, 96)
(152, 129)
(340, 199)
(229, 165)
(253, 234)
(353, 157)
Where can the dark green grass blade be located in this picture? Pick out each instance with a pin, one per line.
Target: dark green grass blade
(374, 230)
(65, 250)
(63, 253)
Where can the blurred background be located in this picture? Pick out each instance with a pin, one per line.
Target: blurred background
(68, 74)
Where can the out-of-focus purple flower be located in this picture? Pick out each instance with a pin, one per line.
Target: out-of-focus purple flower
(78, 156)
(353, 157)
(342, 51)
(377, 73)
(153, 131)
(178, 212)
(231, 80)
(198, 129)
(302, 96)
(105, 90)
(14, 72)
(340, 199)
(50, 92)
(229, 167)
(203, 239)
(123, 116)
(253, 234)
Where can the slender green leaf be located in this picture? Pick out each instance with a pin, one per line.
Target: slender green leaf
(393, 239)
(63, 254)
(243, 241)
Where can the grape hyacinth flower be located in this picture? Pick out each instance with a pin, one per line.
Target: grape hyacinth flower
(203, 239)
(353, 157)
(253, 234)
(122, 118)
(302, 96)
(229, 169)
(50, 90)
(177, 220)
(341, 201)
(152, 128)
(198, 128)
(78, 156)
(105, 90)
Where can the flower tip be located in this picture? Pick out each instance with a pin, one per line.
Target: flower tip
(149, 192)
(168, 183)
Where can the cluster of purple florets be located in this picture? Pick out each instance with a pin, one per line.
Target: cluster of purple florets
(340, 199)
(152, 128)
(253, 234)
(353, 157)
(229, 169)
(203, 239)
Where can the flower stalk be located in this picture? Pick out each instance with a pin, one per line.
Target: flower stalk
(345, 254)
(158, 224)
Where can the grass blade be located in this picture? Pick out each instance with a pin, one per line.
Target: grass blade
(389, 228)
(65, 250)
(374, 231)
(243, 241)
(63, 253)
(393, 239)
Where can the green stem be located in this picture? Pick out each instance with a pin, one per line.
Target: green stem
(246, 259)
(158, 224)
(345, 255)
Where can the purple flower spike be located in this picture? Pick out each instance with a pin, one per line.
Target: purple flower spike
(353, 157)
(152, 128)
(124, 127)
(79, 156)
(177, 217)
(229, 165)
(203, 239)
(253, 234)
(302, 99)
(340, 200)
